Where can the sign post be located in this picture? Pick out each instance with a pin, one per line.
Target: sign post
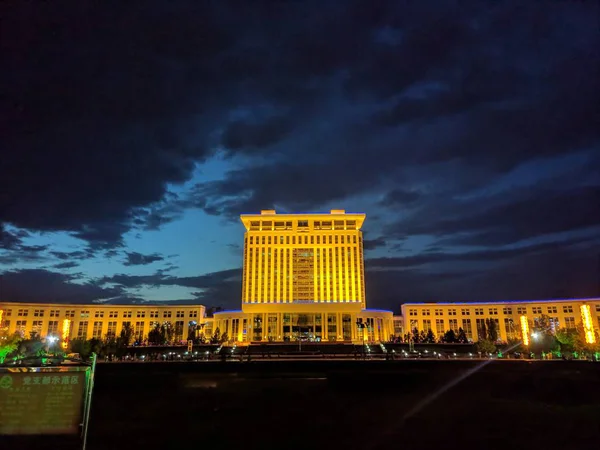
(39, 401)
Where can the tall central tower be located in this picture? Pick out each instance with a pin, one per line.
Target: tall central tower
(303, 258)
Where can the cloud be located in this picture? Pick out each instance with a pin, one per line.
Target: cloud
(137, 259)
(241, 134)
(45, 286)
(506, 219)
(66, 265)
(372, 244)
(400, 197)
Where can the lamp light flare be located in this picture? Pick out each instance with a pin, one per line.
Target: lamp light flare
(524, 330)
(588, 327)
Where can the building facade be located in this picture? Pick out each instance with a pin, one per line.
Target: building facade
(303, 278)
(471, 317)
(95, 321)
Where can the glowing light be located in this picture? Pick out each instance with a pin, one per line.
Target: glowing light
(588, 327)
(66, 327)
(1, 313)
(524, 330)
(51, 339)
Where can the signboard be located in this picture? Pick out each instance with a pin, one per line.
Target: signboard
(42, 400)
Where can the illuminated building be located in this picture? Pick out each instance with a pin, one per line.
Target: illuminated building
(303, 278)
(68, 322)
(511, 317)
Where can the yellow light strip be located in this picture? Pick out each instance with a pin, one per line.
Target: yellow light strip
(588, 327)
(525, 330)
(65, 332)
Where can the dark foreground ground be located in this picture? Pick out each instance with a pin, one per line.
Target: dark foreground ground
(344, 405)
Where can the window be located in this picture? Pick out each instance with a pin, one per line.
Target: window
(37, 326)
(38, 313)
(166, 314)
(21, 324)
(97, 330)
(112, 329)
(70, 313)
(452, 312)
(351, 224)
(279, 226)
(481, 328)
(338, 224)
(99, 314)
(154, 314)
(254, 225)
(141, 314)
(453, 325)
(23, 313)
(303, 224)
(82, 330)
(113, 314)
(510, 328)
(426, 325)
(521, 310)
(465, 312)
(479, 311)
(267, 225)
(139, 331)
(439, 312)
(552, 309)
(193, 314)
(425, 312)
(507, 310)
(537, 310)
(127, 314)
(53, 327)
(568, 308)
(180, 314)
(466, 326)
(570, 321)
(8, 312)
(412, 312)
(597, 308)
(326, 226)
(439, 326)
(85, 313)
(493, 311)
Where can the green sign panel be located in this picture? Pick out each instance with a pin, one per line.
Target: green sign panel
(42, 402)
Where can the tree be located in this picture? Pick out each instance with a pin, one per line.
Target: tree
(430, 338)
(485, 346)
(224, 338)
(126, 334)
(156, 335)
(192, 327)
(81, 346)
(462, 336)
(492, 330)
(216, 337)
(422, 336)
(8, 345)
(449, 337)
(168, 331)
(481, 330)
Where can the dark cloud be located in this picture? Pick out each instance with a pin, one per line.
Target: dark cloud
(137, 259)
(400, 197)
(50, 287)
(372, 244)
(241, 134)
(66, 265)
(528, 215)
(482, 256)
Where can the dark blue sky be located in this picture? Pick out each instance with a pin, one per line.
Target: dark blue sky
(133, 137)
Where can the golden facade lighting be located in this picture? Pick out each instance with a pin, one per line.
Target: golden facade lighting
(525, 330)
(588, 326)
(66, 327)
